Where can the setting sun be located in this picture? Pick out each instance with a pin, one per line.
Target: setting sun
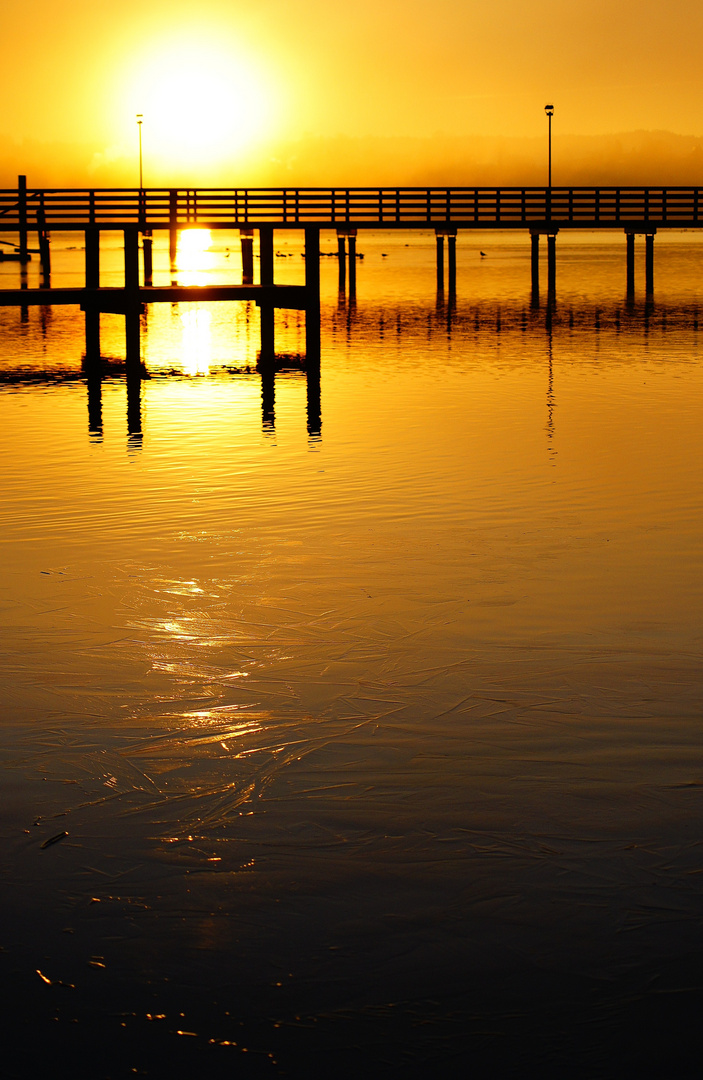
(202, 105)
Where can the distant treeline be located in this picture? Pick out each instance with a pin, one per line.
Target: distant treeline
(638, 157)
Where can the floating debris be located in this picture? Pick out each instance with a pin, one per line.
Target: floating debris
(54, 839)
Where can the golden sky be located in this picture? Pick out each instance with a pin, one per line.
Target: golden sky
(223, 83)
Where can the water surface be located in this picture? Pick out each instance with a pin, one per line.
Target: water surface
(376, 738)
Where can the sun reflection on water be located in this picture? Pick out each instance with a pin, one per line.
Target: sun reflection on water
(194, 257)
(197, 341)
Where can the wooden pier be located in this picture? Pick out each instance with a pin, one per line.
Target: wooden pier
(360, 208)
(140, 212)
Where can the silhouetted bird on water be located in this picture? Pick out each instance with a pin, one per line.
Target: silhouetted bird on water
(482, 254)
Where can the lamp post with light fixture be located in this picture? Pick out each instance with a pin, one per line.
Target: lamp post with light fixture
(551, 233)
(140, 117)
(549, 109)
(146, 233)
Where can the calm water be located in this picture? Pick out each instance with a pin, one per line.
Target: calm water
(376, 737)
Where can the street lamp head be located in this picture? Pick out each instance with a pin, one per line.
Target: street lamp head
(140, 117)
(549, 109)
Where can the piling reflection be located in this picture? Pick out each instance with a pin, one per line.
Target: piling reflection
(314, 406)
(268, 398)
(134, 412)
(95, 404)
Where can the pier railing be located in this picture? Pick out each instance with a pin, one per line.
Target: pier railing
(480, 207)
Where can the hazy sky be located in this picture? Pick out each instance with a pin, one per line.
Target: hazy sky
(217, 79)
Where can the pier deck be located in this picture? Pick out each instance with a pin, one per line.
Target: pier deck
(367, 207)
(117, 300)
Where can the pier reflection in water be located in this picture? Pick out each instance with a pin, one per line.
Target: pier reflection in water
(382, 746)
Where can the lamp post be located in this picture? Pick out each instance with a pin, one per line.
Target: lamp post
(140, 117)
(549, 109)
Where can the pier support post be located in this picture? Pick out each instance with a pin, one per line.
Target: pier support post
(346, 245)
(131, 260)
(630, 265)
(44, 245)
(22, 215)
(246, 237)
(92, 258)
(92, 336)
(132, 307)
(649, 264)
(534, 264)
(440, 262)
(172, 227)
(268, 337)
(351, 237)
(268, 345)
(92, 311)
(551, 263)
(266, 254)
(312, 299)
(93, 365)
(342, 259)
(451, 258)
(147, 254)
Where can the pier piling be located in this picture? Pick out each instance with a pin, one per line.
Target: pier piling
(92, 281)
(44, 245)
(268, 344)
(534, 264)
(440, 262)
(246, 237)
(131, 260)
(312, 297)
(133, 306)
(630, 265)
(266, 254)
(147, 255)
(172, 227)
(451, 258)
(342, 259)
(92, 258)
(551, 263)
(22, 218)
(649, 264)
(351, 238)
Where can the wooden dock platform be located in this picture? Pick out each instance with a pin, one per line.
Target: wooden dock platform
(117, 300)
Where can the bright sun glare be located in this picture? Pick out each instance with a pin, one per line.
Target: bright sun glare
(193, 242)
(202, 105)
(194, 257)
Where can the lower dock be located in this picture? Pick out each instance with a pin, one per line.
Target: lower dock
(119, 301)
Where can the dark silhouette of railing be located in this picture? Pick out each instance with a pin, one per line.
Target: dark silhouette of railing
(481, 207)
